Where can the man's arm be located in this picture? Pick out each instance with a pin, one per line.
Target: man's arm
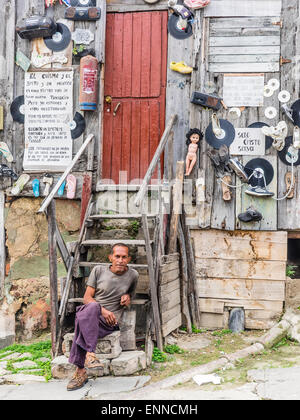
(107, 315)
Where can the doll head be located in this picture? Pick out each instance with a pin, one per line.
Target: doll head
(193, 131)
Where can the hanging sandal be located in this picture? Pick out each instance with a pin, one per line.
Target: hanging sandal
(6, 152)
(226, 181)
(61, 189)
(71, 186)
(36, 187)
(20, 184)
(181, 67)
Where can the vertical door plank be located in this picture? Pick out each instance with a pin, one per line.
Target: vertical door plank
(127, 55)
(146, 55)
(109, 54)
(118, 55)
(136, 62)
(116, 142)
(156, 55)
(126, 134)
(135, 155)
(145, 140)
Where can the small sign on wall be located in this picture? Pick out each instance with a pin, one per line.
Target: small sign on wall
(248, 141)
(243, 90)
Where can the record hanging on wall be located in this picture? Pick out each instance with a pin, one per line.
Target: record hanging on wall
(77, 125)
(289, 154)
(269, 140)
(227, 137)
(60, 40)
(17, 109)
(259, 168)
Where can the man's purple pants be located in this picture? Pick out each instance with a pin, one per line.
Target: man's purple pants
(89, 326)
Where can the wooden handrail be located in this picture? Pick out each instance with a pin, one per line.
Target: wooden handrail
(50, 197)
(160, 148)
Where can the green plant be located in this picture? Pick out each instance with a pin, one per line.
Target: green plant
(221, 333)
(158, 356)
(134, 227)
(78, 49)
(173, 348)
(290, 270)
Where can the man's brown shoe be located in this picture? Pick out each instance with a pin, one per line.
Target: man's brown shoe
(91, 362)
(77, 381)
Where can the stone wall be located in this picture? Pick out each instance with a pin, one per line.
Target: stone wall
(24, 308)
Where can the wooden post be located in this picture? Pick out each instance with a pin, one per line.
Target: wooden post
(153, 286)
(2, 242)
(53, 273)
(192, 290)
(177, 206)
(184, 279)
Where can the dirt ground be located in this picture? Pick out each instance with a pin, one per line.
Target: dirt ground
(204, 347)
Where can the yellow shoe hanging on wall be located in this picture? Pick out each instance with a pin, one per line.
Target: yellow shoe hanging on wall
(181, 67)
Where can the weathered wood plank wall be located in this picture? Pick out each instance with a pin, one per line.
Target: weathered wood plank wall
(12, 85)
(240, 270)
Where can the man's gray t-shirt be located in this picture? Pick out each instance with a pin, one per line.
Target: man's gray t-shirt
(110, 287)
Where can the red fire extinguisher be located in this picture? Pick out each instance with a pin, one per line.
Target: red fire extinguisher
(88, 95)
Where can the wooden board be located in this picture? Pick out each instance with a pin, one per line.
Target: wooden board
(135, 6)
(230, 8)
(266, 206)
(241, 269)
(2, 243)
(212, 321)
(237, 48)
(241, 289)
(248, 245)
(288, 210)
(171, 325)
(218, 305)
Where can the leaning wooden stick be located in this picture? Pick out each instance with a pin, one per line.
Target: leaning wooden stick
(47, 201)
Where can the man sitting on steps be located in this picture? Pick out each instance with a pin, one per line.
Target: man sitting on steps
(109, 290)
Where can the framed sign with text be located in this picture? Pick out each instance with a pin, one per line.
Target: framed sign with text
(248, 141)
(48, 105)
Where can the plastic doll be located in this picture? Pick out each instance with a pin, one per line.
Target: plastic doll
(193, 138)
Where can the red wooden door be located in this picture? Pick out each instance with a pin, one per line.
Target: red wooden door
(135, 79)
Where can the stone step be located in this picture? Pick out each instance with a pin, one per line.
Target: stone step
(99, 242)
(93, 264)
(118, 216)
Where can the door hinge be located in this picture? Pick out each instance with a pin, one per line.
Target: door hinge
(284, 61)
(279, 23)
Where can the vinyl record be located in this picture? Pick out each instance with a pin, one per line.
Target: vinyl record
(259, 167)
(269, 140)
(175, 31)
(17, 109)
(77, 125)
(296, 112)
(289, 154)
(83, 3)
(227, 138)
(60, 40)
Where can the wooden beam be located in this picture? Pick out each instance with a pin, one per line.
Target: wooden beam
(153, 286)
(49, 198)
(163, 141)
(177, 206)
(53, 273)
(2, 243)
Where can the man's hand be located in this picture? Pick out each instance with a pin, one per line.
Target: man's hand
(109, 317)
(125, 300)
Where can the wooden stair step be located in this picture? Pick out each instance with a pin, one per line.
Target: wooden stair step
(137, 301)
(93, 264)
(118, 216)
(98, 242)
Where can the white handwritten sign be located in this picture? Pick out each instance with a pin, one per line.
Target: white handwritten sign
(48, 101)
(243, 90)
(248, 141)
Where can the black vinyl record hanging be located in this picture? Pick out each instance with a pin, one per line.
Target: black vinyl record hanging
(77, 126)
(17, 109)
(289, 154)
(269, 140)
(60, 40)
(296, 112)
(226, 138)
(176, 31)
(259, 168)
